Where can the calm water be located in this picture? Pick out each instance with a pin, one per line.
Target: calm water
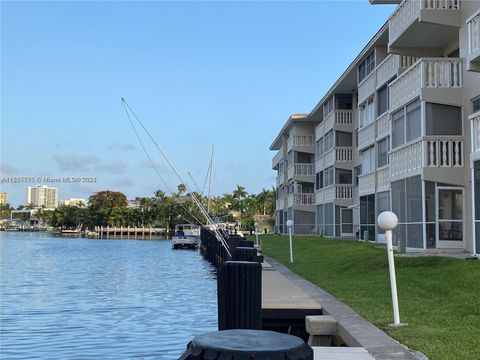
(80, 298)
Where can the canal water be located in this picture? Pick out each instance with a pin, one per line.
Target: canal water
(75, 298)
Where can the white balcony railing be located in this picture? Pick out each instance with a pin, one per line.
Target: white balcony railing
(444, 152)
(343, 154)
(333, 192)
(343, 191)
(343, 117)
(301, 199)
(366, 136)
(474, 34)
(329, 158)
(431, 151)
(277, 158)
(425, 73)
(279, 180)
(383, 179)
(300, 169)
(383, 125)
(279, 204)
(336, 117)
(300, 140)
(319, 196)
(406, 159)
(366, 184)
(366, 87)
(409, 11)
(387, 69)
(475, 118)
(304, 169)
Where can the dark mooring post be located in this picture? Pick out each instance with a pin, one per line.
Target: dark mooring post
(239, 292)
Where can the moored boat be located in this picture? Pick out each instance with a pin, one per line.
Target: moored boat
(186, 236)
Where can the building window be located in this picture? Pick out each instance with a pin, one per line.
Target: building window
(366, 66)
(357, 171)
(329, 140)
(413, 121)
(383, 204)
(343, 101)
(407, 204)
(367, 216)
(328, 107)
(366, 113)
(476, 105)
(343, 138)
(328, 176)
(320, 147)
(328, 216)
(343, 176)
(382, 100)
(319, 180)
(443, 119)
(382, 150)
(406, 124)
(368, 160)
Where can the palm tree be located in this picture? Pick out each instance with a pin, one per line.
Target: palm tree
(181, 189)
(239, 194)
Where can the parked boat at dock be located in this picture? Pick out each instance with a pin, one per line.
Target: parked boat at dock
(186, 236)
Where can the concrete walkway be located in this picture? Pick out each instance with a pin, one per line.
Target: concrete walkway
(354, 329)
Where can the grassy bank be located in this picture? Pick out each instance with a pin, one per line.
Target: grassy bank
(439, 297)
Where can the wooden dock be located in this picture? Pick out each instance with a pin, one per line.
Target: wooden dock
(107, 232)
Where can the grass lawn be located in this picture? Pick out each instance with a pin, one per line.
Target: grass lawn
(439, 297)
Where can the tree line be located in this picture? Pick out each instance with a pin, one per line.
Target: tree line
(111, 208)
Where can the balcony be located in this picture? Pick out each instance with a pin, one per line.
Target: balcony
(475, 118)
(366, 136)
(383, 179)
(277, 158)
(338, 154)
(301, 199)
(338, 119)
(391, 66)
(473, 57)
(383, 125)
(437, 79)
(279, 204)
(367, 87)
(302, 142)
(334, 192)
(433, 152)
(366, 184)
(422, 27)
(300, 170)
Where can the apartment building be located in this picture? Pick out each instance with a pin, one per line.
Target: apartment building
(394, 133)
(295, 166)
(3, 198)
(42, 196)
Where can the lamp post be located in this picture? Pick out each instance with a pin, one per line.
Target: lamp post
(388, 221)
(289, 226)
(256, 233)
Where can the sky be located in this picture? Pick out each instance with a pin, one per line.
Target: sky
(196, 74)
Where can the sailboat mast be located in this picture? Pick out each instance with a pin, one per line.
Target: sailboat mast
(210, 180)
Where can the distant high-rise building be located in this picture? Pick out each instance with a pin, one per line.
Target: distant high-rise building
(3, 198)
(42, 196)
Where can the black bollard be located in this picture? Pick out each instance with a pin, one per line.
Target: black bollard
(247, 344)
(239, 293)
(245, 254)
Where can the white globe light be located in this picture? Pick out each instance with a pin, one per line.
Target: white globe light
(289, 223)
(387, 220)
(256, 224)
